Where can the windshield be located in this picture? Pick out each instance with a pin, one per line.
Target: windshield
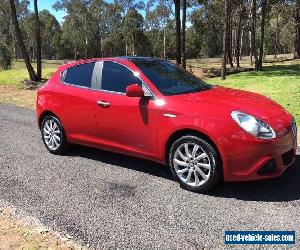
(170, 79)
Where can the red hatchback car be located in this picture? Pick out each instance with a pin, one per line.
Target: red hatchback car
(153, 109)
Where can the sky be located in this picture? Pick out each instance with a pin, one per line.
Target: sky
(47, 4)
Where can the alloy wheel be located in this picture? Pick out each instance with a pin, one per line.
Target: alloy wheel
(192, 164)
(52, 134)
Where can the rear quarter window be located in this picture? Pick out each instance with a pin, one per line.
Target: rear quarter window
(80, 75)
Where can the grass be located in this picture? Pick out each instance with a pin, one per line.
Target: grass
(18, 73)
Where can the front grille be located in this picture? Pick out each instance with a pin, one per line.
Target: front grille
(294, 129)
(288, 157)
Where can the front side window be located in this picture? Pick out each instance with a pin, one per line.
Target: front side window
(116, 77)
(168, 78)
(80, 75)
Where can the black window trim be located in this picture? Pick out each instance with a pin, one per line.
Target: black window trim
(145, 86)
(93, 83)
(97, 79)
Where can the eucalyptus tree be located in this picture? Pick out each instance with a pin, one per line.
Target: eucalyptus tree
(178, 31)
(262, 34)
(5, 36)
(133, 30)
(207, 31)
(15, 22)
(158, 15)
(126, 5)
(131, 6)
(183, 26)
(38, 41)
(253, 33)
(241, 15)
(70, 8)
(99, 25)
(114, 41)
(225, 38)
(51, 35)
(296, 15)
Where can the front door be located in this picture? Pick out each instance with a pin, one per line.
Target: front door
(124, 123)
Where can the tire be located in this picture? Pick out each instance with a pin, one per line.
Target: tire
(53, 135)
(197, 171)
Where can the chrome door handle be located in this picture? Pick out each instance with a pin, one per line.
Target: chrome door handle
(103, 104)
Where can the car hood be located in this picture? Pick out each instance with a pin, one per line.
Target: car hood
(232, 99)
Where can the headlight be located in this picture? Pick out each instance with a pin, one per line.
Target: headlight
(253, 125)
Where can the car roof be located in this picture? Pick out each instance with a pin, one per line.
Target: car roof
(116, 59)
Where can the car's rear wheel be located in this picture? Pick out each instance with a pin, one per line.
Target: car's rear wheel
(194, 163)
(53, 135)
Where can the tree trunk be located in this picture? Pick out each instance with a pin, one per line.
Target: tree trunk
(262, 35)
(234, 44)
(183, 33)
(74, 39)
(12, 33)
(229, 50)
(86, 35)
(250, 54)
(241, 44)
(133, 45)
(164, 43)
(276, 38)
(15, 22)
(297, 27)
(225, 39)
(253, 33)
(38, 42)
(238, 40)
(178, 35)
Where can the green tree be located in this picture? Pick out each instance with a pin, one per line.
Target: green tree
(38, 41)
(5, 37)
(15, 22)
(133, 30)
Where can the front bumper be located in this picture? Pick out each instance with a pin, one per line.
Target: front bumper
(247, 158)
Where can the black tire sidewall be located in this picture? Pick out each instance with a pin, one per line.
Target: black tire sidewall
(64, 144)
(215, 173)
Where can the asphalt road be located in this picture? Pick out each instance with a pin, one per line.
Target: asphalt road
(109, 200)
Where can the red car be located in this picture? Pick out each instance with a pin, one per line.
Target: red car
(153, 109)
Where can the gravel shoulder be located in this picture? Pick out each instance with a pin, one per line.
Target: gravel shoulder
(108, 200)
(18, 231)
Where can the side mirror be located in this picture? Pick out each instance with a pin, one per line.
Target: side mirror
(134, 90)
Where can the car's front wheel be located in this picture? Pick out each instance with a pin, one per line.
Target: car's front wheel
(194, 163)
(53, 135)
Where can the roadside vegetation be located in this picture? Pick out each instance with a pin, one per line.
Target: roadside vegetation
(18, 74)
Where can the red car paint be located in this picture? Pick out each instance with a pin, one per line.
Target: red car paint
(142, 127)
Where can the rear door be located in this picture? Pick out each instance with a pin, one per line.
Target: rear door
(125, 123)
(75, 100)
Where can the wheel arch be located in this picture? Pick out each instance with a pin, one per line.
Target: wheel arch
(182, 132)
(44, 114)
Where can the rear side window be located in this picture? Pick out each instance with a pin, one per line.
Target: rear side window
(116, 77)
(80, 75)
